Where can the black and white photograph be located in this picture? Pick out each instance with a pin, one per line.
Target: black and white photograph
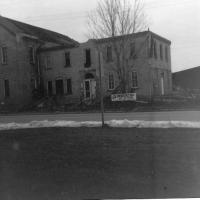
(99, 99)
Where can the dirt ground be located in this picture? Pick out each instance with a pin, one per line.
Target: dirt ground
(77, 163)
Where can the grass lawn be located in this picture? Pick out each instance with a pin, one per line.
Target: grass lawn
(75, 163)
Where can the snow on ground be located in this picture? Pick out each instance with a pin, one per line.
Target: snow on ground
(113, 123)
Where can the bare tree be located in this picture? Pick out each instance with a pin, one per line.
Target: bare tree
(113, 18)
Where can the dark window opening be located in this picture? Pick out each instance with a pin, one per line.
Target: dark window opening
(161, 52)
(132, 50)
(7, 88)
(50, 88)
(69, 86)
(31, 55)
(59, 87)
(4, 55)
(109, 54)
(67, 59)
(87, 89)
(88, 58)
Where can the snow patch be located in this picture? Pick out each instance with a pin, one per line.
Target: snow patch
(113, 123)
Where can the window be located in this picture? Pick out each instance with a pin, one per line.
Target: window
(132, 50)
(67, 59)
(109, 54)
(33, 83)
(111, 82)
(134, 79)
(161, 52)
(87, 58)
(166, 54)
(4, 57)
(155, 50)
(59, 87)
(49, 88)
(31, 55)
(6, 88)
(69, 86)
(47, 62)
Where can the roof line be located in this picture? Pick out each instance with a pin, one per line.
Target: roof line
(5, 27)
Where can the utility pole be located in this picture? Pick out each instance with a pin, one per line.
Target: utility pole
(101, 92)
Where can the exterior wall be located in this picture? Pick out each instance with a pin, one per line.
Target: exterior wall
(76, 71)
(161, 66)
(149, 70)
(17, 70)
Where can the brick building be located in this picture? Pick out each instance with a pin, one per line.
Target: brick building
(33, 58)
(74, 72)
(19, 64)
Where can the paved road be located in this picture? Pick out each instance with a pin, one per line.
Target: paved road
(148, 116)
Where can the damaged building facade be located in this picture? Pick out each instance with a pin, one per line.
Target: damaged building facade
(33, 58)
(20, 73)
(74, 72)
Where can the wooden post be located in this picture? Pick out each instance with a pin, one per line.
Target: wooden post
(101, 92)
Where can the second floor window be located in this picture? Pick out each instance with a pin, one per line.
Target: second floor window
(31, 55)
(161, 52)
(4, 57)
(134, 79)
(109, 54)
(111, 81)
(67, 59)
(87, 58)
(166, 54)
(47, 62)
(132, 50)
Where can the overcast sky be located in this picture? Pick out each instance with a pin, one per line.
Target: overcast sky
(176, 20)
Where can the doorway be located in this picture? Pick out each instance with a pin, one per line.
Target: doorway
(89, 86)
(59, 87)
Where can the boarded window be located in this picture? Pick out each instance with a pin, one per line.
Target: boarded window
(109, 54)
(31, 55)
(69, 86)
(6, 88)
(166, 54)
(132, 50)
(67, 59)
(161, 52)
(111, 81)
(134, 79)
(87, 58)
(4, 57)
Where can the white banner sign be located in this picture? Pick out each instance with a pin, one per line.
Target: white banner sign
(124, 97)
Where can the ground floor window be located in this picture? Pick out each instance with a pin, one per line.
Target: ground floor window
(69, 86)
(111, 81)
(134, 79)
(6, 88)
(59, 87)
(49, 88)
